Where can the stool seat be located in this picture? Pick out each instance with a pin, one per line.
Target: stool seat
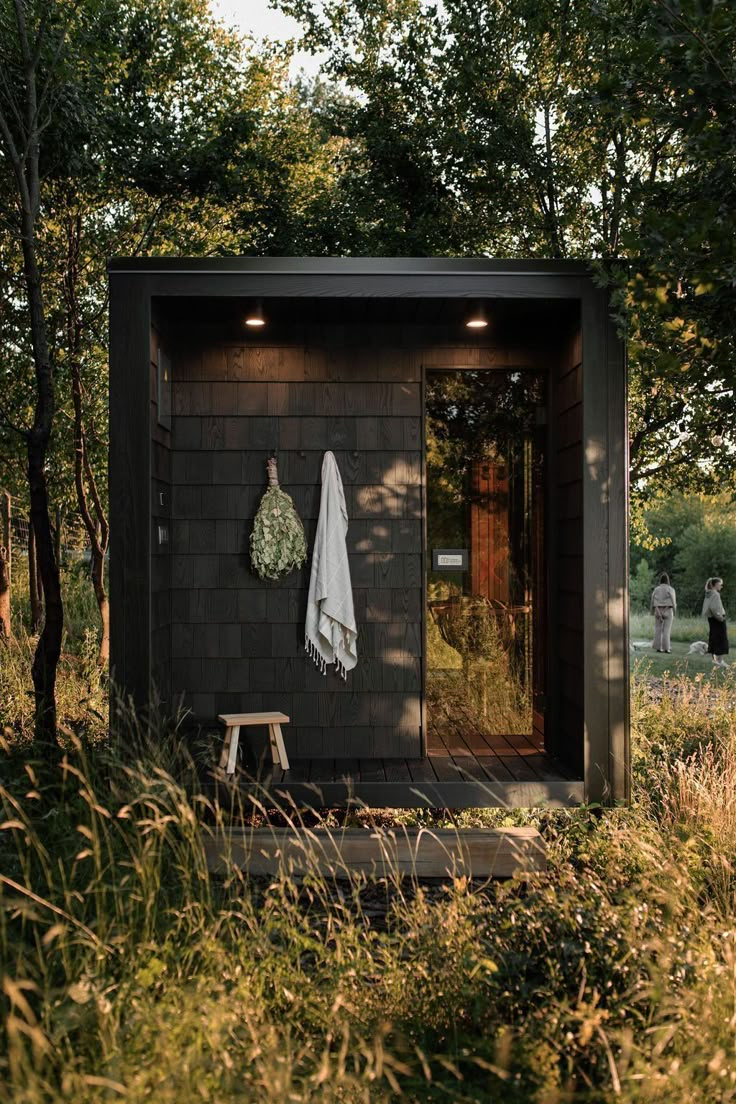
(244, 719)
(233, 722)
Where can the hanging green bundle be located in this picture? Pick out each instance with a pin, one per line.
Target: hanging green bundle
(277, 543)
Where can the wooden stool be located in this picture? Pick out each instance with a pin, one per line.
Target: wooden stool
(233, 722)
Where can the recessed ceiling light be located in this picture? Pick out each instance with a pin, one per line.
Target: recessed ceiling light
(477, 319)
(254, 316)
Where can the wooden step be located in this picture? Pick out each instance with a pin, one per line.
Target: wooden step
(474, 852)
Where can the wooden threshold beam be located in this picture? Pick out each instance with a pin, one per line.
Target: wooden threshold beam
(475, 852)
(455, 792)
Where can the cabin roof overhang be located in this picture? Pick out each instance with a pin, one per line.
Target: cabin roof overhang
(345, 277)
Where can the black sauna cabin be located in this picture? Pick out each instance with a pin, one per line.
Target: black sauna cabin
(477, 412)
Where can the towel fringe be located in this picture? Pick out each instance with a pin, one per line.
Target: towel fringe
(315, 654)
(320, 661)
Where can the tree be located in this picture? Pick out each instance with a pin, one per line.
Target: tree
(162, 132)
(543, 128)
(641, 584)
(33, 48)
(691, 537)
(706, 551)
(682, 294)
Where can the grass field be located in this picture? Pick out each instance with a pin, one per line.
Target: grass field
(131, 973)
(646, 662)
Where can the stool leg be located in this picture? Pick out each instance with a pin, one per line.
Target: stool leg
(280, 747)
(224, 754)
(233, 752)
(273, 745)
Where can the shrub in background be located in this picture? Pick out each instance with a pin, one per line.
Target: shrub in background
(641, 584)
(706, 550)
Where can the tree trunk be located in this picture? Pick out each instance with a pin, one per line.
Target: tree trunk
(57, 534)
(98, 582)
(34, 591)
(24, 159)
(48, 649)
(88, 497)
(5, 567)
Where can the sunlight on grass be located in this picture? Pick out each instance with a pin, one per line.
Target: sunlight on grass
(132, 972)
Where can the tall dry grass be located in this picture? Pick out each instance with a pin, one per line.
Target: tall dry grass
(130, 971)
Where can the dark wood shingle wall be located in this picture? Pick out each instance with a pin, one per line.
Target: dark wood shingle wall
(161, 468)
(567, 552)
(237, 641)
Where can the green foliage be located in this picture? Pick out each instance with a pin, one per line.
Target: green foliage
(640, 585)
(531, 128)
(277, 543)
(689, 536)
(163, 133)
(706, 550)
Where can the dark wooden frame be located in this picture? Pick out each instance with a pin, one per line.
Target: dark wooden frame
(134, 282)
(425, 545)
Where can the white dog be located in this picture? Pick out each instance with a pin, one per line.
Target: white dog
(698, 647)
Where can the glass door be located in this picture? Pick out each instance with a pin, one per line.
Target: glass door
(484, 441)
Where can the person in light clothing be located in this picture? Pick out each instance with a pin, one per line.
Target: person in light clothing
(715, 613)
(664, 607)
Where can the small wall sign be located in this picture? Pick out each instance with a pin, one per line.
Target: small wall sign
(449, 559)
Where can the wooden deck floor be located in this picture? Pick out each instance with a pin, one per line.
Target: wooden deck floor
(463, 769)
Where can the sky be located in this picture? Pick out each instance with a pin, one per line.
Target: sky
(255, 17)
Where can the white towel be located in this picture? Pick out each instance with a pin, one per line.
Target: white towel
(330, 632)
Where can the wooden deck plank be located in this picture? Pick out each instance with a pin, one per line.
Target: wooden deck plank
(532, 741)
(458, 737)
(476, 741)
(422, 770)
(519, 769)
(435, 744)
(445, 769)
(457, 745)
(544, 767)
(397, 770)
(322, 770)
(372, 770)
(469, 767)
(496, 768)
(347, 768)
(498, 740)
(510, 752)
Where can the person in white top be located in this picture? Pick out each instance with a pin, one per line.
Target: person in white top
(664, 607)
(716, 615)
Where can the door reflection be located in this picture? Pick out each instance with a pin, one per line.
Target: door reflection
(485, 498)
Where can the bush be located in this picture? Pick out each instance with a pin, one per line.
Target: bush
(641, 584)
